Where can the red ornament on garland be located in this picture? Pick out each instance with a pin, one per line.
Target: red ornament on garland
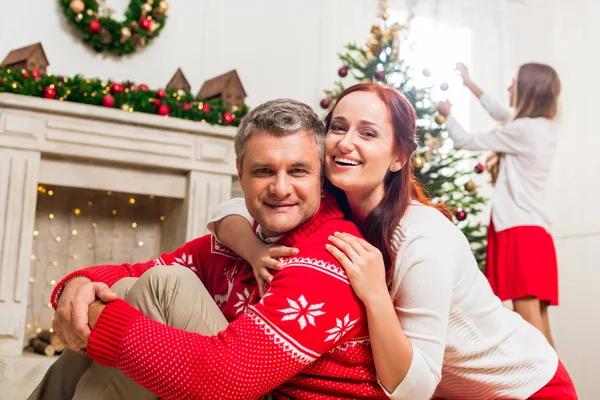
(206, 108)
(461, 214)
(145, 23)
(35, 72)
(49, 92)
(228, 117)
(186, 106)
(143, 87)
(161, 93)
(479, 168)
(95, 26)
(324, 104)
(163, 109)
(25, 73)
(108, 101)
(116, 88)
(343, 72)
(379, 75)
(156, 102)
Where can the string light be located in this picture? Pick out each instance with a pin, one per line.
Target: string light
(35, 233)
(51, 216)
(58, 238)
(51, 330)
(77, 211)
(74, 256)
(162, 217)
(94, 225)
(28, 326)
(114, 212)
(134, 225)
(151, 197)
(33, 257)
(49, 305)
(50, 193)
(31, 280)
(74, 232)
(53, 282)
(109, 193)
(55, 263)
(132, 201)
(90, 203)
(140, 243)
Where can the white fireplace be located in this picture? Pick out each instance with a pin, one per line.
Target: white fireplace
(48, 142)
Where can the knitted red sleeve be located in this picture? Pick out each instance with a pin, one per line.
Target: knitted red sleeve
(308, 309)
(185, 256)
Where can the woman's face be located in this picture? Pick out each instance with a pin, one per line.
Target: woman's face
(512, 90)
(360, 144)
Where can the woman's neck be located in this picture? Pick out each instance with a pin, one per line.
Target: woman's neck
(363, 203)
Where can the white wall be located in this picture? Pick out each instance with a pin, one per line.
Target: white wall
(280, 49)
(565, 35)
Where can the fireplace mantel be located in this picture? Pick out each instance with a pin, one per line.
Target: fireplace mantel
(76, 145)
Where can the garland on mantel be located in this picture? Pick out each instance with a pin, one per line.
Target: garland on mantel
(126, 96)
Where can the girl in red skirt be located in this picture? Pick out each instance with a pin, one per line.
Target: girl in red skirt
(521, 259)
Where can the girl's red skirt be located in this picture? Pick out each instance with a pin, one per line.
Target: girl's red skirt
(521, 262)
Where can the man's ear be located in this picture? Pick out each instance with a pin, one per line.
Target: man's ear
(239, 173)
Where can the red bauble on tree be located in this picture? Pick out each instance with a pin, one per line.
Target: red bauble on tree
(161, 93)
(108, 101)
(35, 72)
(95, 26)
(186, 106)
(156, 102)
(324, 104)
(379, 75)
(228, 118)
(205, 108)
(49, 92)
(25, 73)
(143, 87)
(343, 72)
(116, 88)
(145, 23)
(163, 109)
(460, 214)
(479, 168)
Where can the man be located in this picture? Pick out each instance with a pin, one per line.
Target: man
(307, 336)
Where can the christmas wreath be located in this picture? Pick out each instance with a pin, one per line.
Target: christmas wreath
(144, 19)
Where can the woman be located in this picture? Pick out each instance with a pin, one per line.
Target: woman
(521, 259)
(449, 318)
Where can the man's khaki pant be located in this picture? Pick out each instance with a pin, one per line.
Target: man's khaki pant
(171, 295)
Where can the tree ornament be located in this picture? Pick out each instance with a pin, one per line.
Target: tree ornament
(343, 72)
(163, 6)
(116, 88)
(126, 32)
(77, 6)
(206, 108)
(460, 214)
(440, 119)
(160, 93)
(49, 92)
(186, 106)
(95, 26)
(125, 107)
(105, 36)
(157, 102)
(35, 72)
(324, 104)
(444, 86)
(470, 186)
(25, 73)
(145, 23)
(379, 75)
(479, 168)
(79, 17)
(418, 162)
(163, 109)
(228, 118)
(108, 101)
(426, 72)
(143, 87)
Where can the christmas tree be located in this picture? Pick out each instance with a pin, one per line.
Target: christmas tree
(444, 173)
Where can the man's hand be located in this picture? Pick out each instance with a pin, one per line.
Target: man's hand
(71, 317)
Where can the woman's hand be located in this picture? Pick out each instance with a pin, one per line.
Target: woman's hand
(444, 108)
(363, 264)
(266, 257)
(464, 72)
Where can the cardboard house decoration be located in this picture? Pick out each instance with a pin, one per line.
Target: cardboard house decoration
(28, 57)
(227, 86)
(179, 81)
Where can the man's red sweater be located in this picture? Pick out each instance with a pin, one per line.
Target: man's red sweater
(307, 337)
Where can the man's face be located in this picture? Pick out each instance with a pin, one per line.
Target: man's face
(281, 180)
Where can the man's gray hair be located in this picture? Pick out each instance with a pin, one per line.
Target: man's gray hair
(280, 117)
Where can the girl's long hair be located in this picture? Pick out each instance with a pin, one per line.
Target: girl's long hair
(538, 88)
(400, 187)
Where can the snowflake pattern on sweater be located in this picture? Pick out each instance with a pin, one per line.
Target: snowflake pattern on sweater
(306, 338)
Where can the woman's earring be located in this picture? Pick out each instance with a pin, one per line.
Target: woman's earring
(395, 168)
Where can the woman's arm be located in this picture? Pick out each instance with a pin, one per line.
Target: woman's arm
(233, 226)
(408, 356)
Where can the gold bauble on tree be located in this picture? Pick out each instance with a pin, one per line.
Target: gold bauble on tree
(440, 119)
(470, 186)
(147, 7)
(125, 31)
(77, 6)
(418, 162)
(163, 6)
